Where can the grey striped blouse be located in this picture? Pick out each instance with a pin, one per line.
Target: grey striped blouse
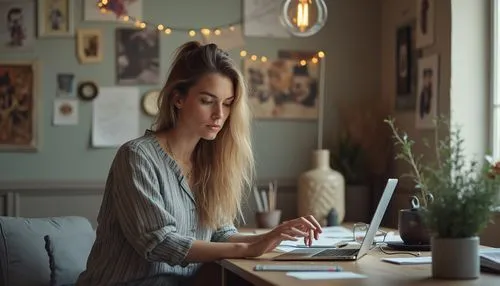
(147, 221)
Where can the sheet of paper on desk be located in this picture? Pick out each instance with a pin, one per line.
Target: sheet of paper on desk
(324, 275)
(337, 231)
(408, 260)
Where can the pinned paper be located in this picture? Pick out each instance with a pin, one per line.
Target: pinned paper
(229, 38)
(65, 112)
(116, 116)
(262, 19)
(327, 275)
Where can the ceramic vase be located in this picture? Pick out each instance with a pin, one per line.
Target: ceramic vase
(455, 258)
(321, 189)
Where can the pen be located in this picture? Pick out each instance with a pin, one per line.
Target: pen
(340, 245)
(297, 267)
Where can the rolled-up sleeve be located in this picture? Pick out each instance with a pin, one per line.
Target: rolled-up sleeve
(146, 224)
(224, 233)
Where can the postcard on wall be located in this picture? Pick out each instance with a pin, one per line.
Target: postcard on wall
(115, 117)
(282, 89)
(65, 84)
(427, 92)
(137, 56)
(89, 46)
(115, 10)
(56, 18)
(425, 23)
(65, 112)
(17, 31)
(18, 105)
(406, 68)
(261, 19)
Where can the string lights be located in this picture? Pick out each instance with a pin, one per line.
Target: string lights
(118, 8)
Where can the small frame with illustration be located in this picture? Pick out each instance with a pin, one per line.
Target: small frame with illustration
(89, 46)
(55, 18)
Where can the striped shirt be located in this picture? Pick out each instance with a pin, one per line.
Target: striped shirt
(147, 221)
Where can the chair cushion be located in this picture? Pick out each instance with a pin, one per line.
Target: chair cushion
(23, 258)
(68, 256)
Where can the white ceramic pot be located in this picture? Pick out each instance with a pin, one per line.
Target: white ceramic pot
(321, 189)
(455, 258)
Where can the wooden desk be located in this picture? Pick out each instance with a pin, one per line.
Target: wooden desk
(240, 272)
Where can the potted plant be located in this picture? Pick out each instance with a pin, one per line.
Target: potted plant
(361, 154)
(464, 194)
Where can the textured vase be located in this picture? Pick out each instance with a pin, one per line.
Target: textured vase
(321, 189)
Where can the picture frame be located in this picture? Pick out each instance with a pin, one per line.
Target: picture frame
(18, 30)
(403, 59)
(425, 23)
(89, 45)
(131, 8)
(137, 57)
(19, 103)
(56, 18)
(283, 89)
(427, 92)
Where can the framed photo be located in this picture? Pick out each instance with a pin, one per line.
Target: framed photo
(282, 89)
(55, 18)
(425, 23)
(89, 46)
(116, 9)
(65, 84)
(19, 99)
(427, 92)
(17, 31)
(137, 56)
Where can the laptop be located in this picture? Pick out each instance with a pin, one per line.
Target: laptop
(348, 253)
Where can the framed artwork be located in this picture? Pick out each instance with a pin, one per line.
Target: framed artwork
(137, 56)
(65, 84)
(282, 89)
(55, 18)
(115, 10)
(89, 46)
(425, 23)
(18, 105)
(427, 92)
(17, 31)
(406, 68)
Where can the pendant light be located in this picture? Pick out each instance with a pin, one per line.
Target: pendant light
(303, 18)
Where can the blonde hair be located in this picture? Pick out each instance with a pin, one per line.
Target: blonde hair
(223, 167)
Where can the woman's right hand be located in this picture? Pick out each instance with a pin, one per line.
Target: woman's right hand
(303, 227)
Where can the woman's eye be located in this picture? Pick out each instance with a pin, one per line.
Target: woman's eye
(205, 101)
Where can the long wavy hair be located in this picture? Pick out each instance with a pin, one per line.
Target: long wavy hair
(223, 167)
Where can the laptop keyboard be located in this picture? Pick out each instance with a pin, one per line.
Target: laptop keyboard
(336, 252)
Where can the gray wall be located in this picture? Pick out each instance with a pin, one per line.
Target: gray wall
(65, 176)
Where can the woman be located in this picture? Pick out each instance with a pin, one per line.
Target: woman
(172, 195)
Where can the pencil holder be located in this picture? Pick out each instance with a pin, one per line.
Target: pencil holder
(268, 219)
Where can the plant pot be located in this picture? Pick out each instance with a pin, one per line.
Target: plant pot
(455, 258)
(412, 228)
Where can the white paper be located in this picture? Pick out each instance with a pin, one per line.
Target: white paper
(65, 112)
(408, 260)
(337, 232)
(262, 19)
(227, 40)
(115, 116)
(320, 275)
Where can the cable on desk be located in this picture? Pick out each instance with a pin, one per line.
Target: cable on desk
(399, 252)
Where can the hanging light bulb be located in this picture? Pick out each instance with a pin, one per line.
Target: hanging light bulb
(303, 18)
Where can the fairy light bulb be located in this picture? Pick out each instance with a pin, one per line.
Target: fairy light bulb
(303, 18)
(243, 53)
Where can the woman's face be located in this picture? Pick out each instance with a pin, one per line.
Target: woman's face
(206, 106)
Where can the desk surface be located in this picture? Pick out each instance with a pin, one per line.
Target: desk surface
(377, 272)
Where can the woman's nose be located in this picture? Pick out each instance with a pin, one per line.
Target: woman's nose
(218, 112)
